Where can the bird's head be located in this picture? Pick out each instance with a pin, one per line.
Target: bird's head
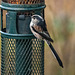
(36, 20)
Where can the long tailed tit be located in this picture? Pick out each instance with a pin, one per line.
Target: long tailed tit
(38, 28)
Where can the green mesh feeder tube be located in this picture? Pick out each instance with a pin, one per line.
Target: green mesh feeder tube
(21, 52)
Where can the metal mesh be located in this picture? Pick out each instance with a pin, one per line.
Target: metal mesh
(27, 13)
(23, 1)
(22, 57)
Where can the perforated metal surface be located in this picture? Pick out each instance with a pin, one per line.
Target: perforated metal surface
(22, 57)
(8, 56)
(23, 1)
(28, 13)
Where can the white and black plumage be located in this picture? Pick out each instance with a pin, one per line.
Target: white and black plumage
(38, 28)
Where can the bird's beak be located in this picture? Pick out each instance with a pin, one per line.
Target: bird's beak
(31, 16)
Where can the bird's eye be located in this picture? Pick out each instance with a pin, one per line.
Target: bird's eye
(33, 17)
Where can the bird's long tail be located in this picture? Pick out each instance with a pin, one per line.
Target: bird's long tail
(55, 53)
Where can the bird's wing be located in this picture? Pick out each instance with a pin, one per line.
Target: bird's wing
(44, 35)
(44, 27)
(42, 24)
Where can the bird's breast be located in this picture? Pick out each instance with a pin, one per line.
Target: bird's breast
(36, 34)
(37, 28)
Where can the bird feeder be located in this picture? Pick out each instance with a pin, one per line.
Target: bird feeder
(21, 52)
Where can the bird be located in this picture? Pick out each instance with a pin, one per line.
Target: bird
(39, 29)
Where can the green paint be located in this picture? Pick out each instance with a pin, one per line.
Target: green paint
(24, 7)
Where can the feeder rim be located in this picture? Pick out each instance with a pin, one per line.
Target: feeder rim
(17, 36)
(20, 7)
